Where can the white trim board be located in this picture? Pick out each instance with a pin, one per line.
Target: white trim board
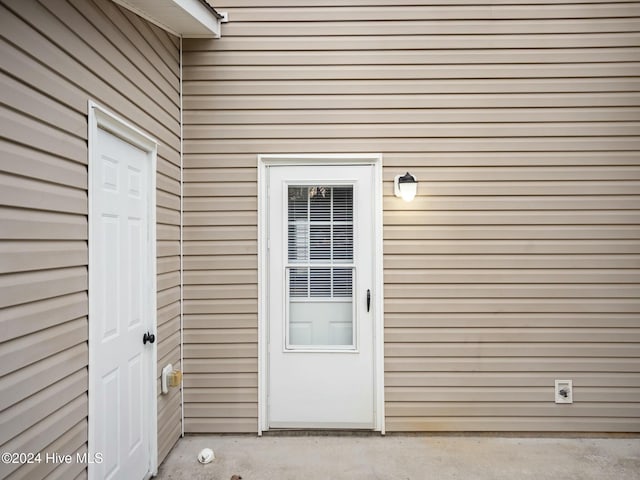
(102, 118)
(181, 237)
(266, 161)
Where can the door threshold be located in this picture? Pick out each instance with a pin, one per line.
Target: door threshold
(326, 432)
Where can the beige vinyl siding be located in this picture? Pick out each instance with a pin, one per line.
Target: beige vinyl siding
(220, 295)
(519, 261)
(56, 55)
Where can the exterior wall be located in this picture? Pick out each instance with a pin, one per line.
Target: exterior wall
(518, 262)
(55, 56)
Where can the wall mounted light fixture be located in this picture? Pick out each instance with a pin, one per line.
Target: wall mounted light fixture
(405, 186)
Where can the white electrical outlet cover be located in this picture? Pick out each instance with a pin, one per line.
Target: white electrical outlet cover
(163, 378)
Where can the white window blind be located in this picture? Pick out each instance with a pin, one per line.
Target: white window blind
(320, 241)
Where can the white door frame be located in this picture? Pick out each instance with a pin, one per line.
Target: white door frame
(101, 118)
(264, 162)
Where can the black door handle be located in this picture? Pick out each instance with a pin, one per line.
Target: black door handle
(148, 337)
(368, 300)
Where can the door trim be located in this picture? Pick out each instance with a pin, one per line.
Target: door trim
(270, 160)
(101, 118)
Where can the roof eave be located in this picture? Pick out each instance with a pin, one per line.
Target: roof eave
(183, 18)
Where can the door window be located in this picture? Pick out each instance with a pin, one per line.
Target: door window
(320, 269)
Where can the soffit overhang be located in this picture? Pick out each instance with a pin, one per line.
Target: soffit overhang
(183, 18)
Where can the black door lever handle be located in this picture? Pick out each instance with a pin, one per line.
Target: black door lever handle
(368, 300)
(148, 337)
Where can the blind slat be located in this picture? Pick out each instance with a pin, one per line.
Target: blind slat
(320, 231)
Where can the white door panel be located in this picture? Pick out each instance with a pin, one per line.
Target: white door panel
(121, 370)
(320, 267)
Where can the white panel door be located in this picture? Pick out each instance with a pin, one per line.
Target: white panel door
(320, 272)
(120, 362)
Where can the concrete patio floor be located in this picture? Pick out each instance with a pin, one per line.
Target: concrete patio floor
(404, 457)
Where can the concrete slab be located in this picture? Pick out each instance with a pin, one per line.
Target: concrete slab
(404, 458)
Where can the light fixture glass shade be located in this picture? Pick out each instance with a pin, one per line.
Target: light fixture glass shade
(405, 186)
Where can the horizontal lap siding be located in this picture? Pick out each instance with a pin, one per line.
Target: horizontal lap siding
(56, 56)
(220, 292)
(519, 261)
(220, 286)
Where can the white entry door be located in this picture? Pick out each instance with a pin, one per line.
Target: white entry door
(320, 280)
(121, 292)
